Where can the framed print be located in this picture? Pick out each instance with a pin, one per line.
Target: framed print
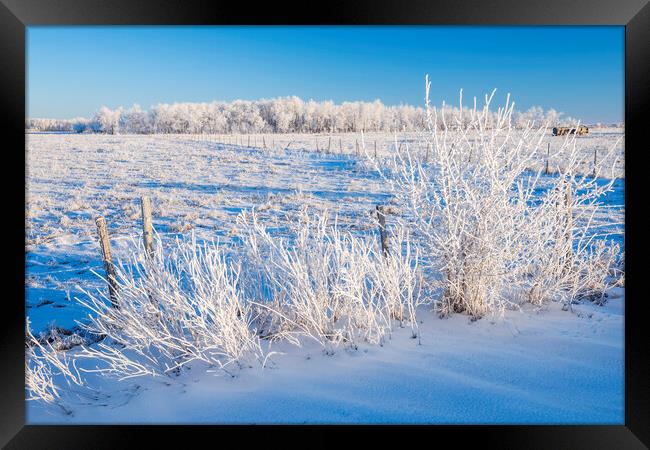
(373, 214)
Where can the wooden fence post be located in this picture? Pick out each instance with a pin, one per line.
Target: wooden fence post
(249, 140)
(375, 149)
(329, 144)
(548, 153)
(317, 149)
(381, 217)
(264, 141)
(147, 232)
(356, 147)
(568, 201)
(595, 161)
(105, 246)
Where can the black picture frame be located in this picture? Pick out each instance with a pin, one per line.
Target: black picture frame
(15, 15)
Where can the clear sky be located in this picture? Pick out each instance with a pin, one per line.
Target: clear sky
(72, 71)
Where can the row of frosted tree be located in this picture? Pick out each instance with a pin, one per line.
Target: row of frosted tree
(278, 115)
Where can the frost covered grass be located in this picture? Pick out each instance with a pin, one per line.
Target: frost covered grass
(43, 362)
(329, 285)
(174, 308)
(211, 303)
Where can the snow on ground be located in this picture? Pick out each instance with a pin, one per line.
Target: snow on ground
(546, 366)
(536, 366)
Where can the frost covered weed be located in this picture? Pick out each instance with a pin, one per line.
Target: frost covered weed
(329, 285)
(213, 303)
(175, 308)
(195, 303)
(493, 228)
(43, 363)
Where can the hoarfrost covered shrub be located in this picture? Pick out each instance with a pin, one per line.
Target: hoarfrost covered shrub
(496, 231)
(328, 284)
(567, 258)
(173, 309)
(44, 363)
(213, 303)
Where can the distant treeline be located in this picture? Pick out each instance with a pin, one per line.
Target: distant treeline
(278, 115)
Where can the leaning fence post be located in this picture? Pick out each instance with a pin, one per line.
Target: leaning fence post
(107, 259)
(147, 233)
(381, 217)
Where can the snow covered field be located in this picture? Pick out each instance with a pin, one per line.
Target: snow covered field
(485, 372)
(194, 185)
(490, 371)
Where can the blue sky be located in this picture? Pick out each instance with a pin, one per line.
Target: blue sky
(72, 71)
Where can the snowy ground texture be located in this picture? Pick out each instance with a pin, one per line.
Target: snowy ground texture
(481, 372)
(532, 366)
